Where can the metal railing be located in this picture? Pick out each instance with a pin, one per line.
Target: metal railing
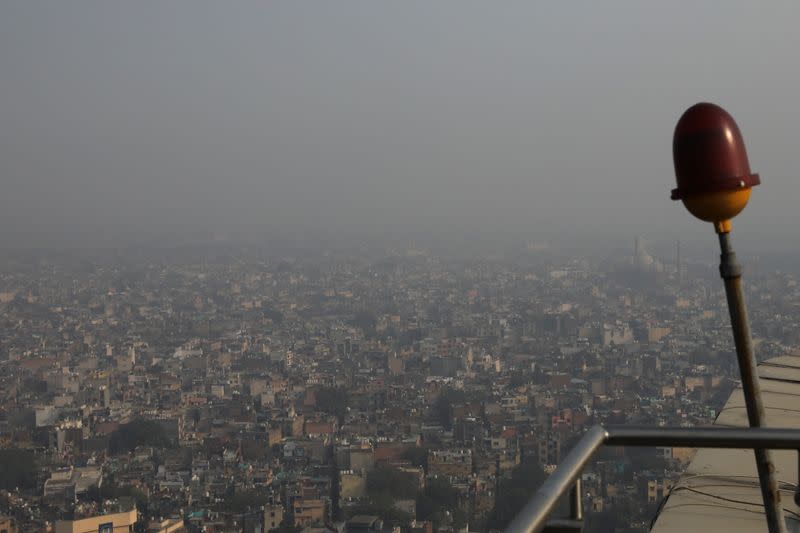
(534, 516)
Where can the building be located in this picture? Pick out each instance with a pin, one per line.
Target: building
(106, 523)
(364, 524)
(352, 484)
(444, 366)
(308, 512)
(273, 516)
(549, 449)
(71, 482)
(173, 525)
(658, 489)
(7, 525)
(450, 463)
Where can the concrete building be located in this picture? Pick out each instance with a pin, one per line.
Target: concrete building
(658, 489)
(106, 523)
(364, 524)
(173, 525)
(273, 516)
(308, 512)
(71, 482)
(7, 525)
(451, 463)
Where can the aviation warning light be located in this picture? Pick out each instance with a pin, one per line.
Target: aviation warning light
(711, 166)
(714, 183)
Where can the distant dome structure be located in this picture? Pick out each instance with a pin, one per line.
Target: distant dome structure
(643, 260)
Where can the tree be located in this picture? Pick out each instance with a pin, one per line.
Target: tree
(437, 500)
(195, 415)
(443, 406)
(239, 502)
(336, 489)
(385, 479)
(366, 321)
(17, 469)
(443, 411)
(138, 433)
(333, 401)
(110, 491)
(273, 314)
(417, 456)
(519, 378)
(514, 493)
(386, 485)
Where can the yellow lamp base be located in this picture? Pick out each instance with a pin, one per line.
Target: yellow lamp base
(718, 207)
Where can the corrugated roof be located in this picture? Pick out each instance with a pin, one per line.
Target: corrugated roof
(710, 495)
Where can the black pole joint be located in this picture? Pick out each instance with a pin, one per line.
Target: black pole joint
(729, 267)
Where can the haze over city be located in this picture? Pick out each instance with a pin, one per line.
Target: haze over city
(410, 267)
(152, 120)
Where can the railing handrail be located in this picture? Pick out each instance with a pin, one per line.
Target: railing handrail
(533, 517)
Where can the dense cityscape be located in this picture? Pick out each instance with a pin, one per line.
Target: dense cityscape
(399, 267)
(225, 389)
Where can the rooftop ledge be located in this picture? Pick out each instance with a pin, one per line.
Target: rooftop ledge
(709, 495)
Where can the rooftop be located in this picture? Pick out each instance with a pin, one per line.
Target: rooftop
(719, 490)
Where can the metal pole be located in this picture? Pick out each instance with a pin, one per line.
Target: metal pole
(731, 273)
(706, 437)
(576, 500)
(533, 517)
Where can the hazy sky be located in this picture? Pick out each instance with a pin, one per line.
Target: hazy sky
(154, 115)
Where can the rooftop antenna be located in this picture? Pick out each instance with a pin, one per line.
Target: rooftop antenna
(714, 183)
